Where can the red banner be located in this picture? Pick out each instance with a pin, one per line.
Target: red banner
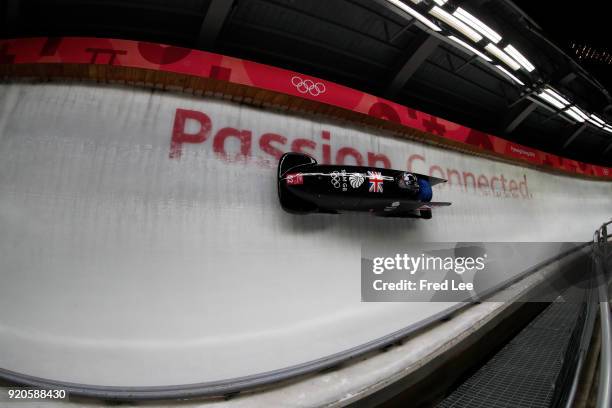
(134, 54)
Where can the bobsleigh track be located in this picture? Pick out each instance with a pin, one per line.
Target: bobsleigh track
(144, 245)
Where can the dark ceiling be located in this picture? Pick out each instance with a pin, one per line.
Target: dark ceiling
(365, 44)
(589, 29)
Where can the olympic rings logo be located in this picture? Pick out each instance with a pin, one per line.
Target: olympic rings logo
(308, 86)
(335, 179)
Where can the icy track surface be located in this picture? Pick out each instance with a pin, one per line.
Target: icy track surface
(120, 265)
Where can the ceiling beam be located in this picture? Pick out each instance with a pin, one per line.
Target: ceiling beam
(518, 100)
(556, 112)
(401, 31)
(574, 135)
(315, 43)
(422, 47)
(465, 64)
(318, 18)
(565, 81)
(12, 13)
(217, 13)
(520, 116)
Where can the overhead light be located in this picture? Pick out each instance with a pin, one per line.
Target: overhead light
(508, 74)
(502, 56)
(478, 25)
(594, 123)
(579, 112)
(470, 48)
(520, 58)
(440, 2)
(455, 23)
(557, 96)
(608, 129)
(416, 1)
(575, 114)
(402, 6)
(554, 102)
(596, 120)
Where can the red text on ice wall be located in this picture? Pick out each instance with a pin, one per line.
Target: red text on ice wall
(241, 145)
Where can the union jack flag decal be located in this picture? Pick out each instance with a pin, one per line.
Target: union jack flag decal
(376, 181)
(295, 179)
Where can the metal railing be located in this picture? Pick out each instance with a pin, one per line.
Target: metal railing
(577, 353)
(597, 303)
(601, 263)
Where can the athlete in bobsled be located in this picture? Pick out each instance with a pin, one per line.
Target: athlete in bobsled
(304, 186)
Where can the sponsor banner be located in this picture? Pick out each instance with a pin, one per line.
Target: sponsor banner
(472, 272)
(135, 54)
(263, 142)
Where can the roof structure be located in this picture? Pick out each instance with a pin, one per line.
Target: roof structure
(481, 63)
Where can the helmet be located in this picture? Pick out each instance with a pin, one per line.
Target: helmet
(410, 182)
(425, 193)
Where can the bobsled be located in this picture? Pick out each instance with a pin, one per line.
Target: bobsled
(304, 187)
